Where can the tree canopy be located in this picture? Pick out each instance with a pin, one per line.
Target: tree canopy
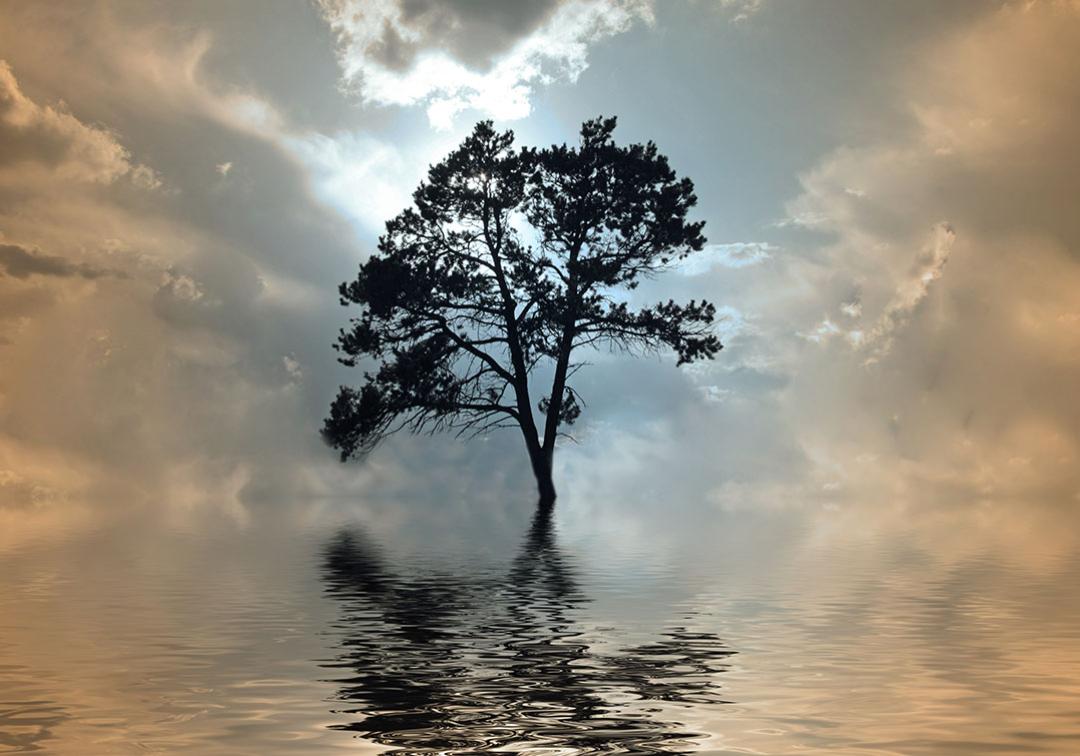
(510, 259)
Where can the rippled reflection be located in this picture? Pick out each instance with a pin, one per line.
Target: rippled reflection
(485, 660)
(27, 719)
(857, 633)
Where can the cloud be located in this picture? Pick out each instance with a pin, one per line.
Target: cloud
(31, 133)
(364, 178)
(801, 220)
(165, 377)
(823, 332)
(205, 372)
(472, 32)
(55, 140)
(731, 255)
(145, 177)
(18, 262)
(741, 10)
(911, 291)
(947, 358)
(17, 492)
(294, 369)
(454, 56)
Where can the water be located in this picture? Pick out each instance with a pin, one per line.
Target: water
(315, 628)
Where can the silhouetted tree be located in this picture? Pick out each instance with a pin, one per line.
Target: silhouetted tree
(510, 259)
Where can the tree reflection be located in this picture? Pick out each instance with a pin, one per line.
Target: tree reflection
(439, 662)
(27, 723)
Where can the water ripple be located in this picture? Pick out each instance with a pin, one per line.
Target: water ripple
(439, 662)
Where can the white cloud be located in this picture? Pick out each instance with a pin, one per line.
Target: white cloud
(145, 177)
(438, 79)
(361, 177)
(181, 287)
(732, 255)
(741, 10)
(912, 290)
(715, 394)
(801, 220)
(823, 332)
(293, 368)
(730, 322)
(909, 292)
(852, 309)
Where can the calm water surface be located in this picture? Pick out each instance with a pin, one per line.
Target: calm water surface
(316, 629)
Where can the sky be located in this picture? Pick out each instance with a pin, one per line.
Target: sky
(889, 192)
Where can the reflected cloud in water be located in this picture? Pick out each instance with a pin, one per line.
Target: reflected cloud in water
(857, 633)
(482, 659)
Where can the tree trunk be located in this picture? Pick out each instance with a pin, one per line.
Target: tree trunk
(545, 484)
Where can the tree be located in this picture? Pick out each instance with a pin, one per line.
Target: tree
(507, 261)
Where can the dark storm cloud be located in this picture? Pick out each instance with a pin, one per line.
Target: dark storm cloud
(18, 262)
(472, 31)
